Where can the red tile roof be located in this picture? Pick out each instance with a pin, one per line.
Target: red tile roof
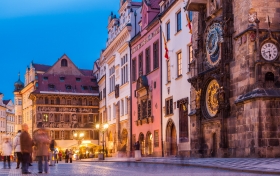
(41, 67)
(69, 80)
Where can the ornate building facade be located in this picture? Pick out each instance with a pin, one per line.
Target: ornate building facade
(146, 82)
(115, 77)
(235, 79)
(175, 74)
(63, 99)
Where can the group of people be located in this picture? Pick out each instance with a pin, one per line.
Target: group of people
(23, 146)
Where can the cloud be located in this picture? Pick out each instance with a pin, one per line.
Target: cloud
(19, 8)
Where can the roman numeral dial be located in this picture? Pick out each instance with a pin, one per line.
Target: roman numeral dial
(269, 51)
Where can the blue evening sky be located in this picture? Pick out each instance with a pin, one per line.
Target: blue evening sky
(43, 30)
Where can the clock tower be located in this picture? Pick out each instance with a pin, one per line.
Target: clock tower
(235, 78)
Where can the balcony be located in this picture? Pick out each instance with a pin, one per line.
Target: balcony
(194, 5)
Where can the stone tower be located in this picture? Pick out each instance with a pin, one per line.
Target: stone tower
(235, 78)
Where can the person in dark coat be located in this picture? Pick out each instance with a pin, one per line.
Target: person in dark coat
(42, 143)
(26, 148)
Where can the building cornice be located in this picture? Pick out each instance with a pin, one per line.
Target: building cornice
(118, 41)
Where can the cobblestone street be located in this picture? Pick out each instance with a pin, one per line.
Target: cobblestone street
(125, 168)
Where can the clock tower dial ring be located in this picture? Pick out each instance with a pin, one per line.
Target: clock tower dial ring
(213, 38)
(269, 51)
(211, 98)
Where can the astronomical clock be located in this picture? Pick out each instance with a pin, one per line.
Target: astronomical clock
(236, 82)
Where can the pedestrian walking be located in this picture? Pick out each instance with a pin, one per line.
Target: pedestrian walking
(7, 151)
(52, 147)
(70, 155)
(60, 156)
(42, 143)
(26, 144)
(66, 155)
(56, 156)
(17, 148)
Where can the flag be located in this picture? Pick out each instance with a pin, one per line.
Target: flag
(189, 23)
(165, 47)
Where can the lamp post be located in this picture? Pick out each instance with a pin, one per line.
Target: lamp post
(102, 129)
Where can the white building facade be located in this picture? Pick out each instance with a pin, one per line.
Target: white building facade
(114, 77)
(175, 74)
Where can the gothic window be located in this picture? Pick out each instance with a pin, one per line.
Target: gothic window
(179, 64)
(133, 69)
(52, 102)
(269, 80)
(178, 18)
(140, 64)
(156, 54)
(169, 106)
(148, 60)
(80, 101)
(144, 108)
(57, 101)
(64, 63)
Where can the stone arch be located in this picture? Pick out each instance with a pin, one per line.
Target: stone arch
(124, 139)
(171, 138)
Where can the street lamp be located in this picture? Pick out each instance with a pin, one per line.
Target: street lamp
(79, 137)
(102, 129)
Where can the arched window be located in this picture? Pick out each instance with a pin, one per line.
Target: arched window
(64, 63)
(269, 76)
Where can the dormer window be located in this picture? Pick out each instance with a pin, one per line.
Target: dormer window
(85, 87)
(93, 80)
(51, 86)
(45, 78)
(62, 78)
(78, 79)
(64, 63)
(68, 87)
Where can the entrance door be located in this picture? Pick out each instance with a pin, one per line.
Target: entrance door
(171, 139)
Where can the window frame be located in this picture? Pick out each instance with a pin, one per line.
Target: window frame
(179, 21)
(168, 71)
(148, 59)
(179, 63)
(167, 25)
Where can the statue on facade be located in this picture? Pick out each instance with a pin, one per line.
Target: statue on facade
(197, 98)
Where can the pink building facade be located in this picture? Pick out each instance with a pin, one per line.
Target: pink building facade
(146, 82)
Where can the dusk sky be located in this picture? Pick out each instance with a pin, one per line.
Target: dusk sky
(43, 30)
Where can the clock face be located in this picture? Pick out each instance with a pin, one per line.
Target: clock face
(212, 103)
(213, 37)
(269, 51)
